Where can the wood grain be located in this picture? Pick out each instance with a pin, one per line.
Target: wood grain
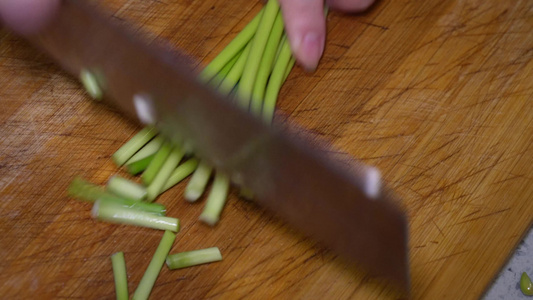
(437, 94)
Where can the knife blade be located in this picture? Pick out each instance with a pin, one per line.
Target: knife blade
(287, 176)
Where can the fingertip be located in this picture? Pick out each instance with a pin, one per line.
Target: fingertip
(305, 26)
(27, 17)
(310, 50)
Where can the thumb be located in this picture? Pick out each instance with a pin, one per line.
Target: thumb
(27, 16)
(305, 25)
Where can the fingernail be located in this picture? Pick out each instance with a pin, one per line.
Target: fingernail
(311, 50)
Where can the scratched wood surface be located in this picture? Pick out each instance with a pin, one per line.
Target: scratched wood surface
(437, 94)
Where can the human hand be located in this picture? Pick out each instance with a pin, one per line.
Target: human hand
(305, 25)
(27, 16)
(305, 22)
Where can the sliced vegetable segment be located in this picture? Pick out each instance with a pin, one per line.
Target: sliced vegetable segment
(182, 171)
(193, 258)
(89, 81)
(126, 189)
(156, 163)
(161, 178)
(216, 200)
(198, 182)
(150, 275)
(133, 145)
(138, 166)
(118, 214)
(526, 286)
(147, 150)
(86, 191)
(119, 272)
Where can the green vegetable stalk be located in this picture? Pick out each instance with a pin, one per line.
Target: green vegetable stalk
(182, 171)
(126, 189)
(225, 71)
(115, 213)
(140, 165)
(198, 182)
(276, 80)
(259, 41)
(133, 145)
(157, 185)
(86, 191)
(157, 162)
(150, 275)
(119, 272)
(193, 258)
(230, 51)
(90, 82)
(233, 76)
(265, 67)
(147, 150)
(216, 200)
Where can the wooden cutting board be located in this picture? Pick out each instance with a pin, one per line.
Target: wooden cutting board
(437, 94)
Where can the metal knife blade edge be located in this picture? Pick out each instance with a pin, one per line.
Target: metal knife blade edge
(289, 178)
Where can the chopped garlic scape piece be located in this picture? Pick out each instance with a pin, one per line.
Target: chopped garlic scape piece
(193, 258)
(88, 79)
(154, 268)
(119, 272)
(125, 188)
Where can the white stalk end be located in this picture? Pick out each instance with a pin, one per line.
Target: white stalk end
(95, 209)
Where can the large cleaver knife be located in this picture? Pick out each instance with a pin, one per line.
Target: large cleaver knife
(287, 175)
